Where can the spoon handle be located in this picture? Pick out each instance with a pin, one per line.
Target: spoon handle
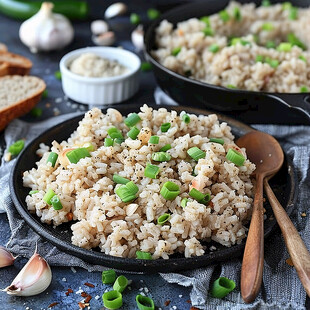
(299, 254)
(253, 257)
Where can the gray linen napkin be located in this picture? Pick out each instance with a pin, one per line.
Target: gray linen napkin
(281, 287)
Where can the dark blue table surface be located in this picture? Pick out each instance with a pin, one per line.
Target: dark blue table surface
(44, 65)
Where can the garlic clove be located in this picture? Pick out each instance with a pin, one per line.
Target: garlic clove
(104, 39)
(33, 279)
(115, 9)
(6, 258)
(137, 38)
(63, 159)
(99, 26)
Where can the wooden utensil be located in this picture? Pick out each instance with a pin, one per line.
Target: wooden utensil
(299, 254)
(263, 150)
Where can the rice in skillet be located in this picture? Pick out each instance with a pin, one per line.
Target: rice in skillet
(87, 191)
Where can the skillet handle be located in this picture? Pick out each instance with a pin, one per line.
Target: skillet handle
(300, 102)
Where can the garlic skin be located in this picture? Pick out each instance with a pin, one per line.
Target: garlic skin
(46, 31)
(6, 258)
(115, 9)
(104, 39)
(99, 26)
(33, 279)
(137, 38)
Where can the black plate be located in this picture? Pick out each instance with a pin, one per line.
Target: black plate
(248, 106)
(283, 185)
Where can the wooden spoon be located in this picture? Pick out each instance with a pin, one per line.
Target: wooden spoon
(263, 150)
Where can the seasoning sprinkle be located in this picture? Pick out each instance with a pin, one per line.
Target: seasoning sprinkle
(89, 284)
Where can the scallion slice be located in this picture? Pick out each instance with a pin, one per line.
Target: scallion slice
(120, 284)
(75, 155)
(186, 119)
(33, 192)
(259, 58)
(135, 18)
(267, 26)
(132, 120)
(89, 147)
(303, 58)
(133, 133)
(176, 51)
(161, 156)
(237, 14)
(16, 147)
(127, 192)
(55, 201)
(165, 148)
(208, 31)
(163, 219)
(114, 133)
(286, 5)
(112, 300)
(145, 303)
(119, 140)
(184, 202)
(274, 63)
(143, 255)
(293, 14)
(291, 38)
(235, 157)
(284, 47)
(108, 142)
(196, 194)
(235, 41)
(196, 153)
(206, 20)
(132, 187)
(152, 14)
(231, 86)
(222, 287)
(120, 180)
(48, 196)
(57, 75)
(170, 190)
(154, 140)
(151, 171)
(214, 48)
(36, 112)
(304, 89)
(266, 3)
(217, 140)
(145, 66)
(165, 127)
(108, 276)
(52, 158)
(270, 44)
(225, 17)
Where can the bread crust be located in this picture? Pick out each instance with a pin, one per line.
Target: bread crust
(9, 67)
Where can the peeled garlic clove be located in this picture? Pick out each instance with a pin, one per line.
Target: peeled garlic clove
(137, 38)
(99, 26)
(63, 159)
(6, 258)
(115, 9)
(33, 279)
(104, 39)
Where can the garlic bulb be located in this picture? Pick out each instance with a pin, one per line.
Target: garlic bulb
(6, 258)
(115, 9)
(46, 31)
(33, 279)
(137, 38)
(104, 39)
(99, 26)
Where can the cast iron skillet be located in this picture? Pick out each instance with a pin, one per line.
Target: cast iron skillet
(283, 184)
(260, 107)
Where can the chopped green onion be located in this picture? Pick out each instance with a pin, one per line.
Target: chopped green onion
(259, 58)
(120, 180)
(224, 16)
(235, 157)
(165, 127)
(145, 303)
(133, 133)
(274, 63)
(52, 157)
(108, 276)
(206, 20)
(16, 147)
(266, 3)
(132, 120)
(186, 119)
(208, 31)
(196, 153)
(119, 140)
(127, 192)
(295, 41)
(56, 203)
(170, 190)
(293, 14)
(303, 58)
(237, 14)
(267, 26)
(108, 142)
(33, 192)
(44, 94)
(231, 86)
(145, 66)
(143, 255)
(135, 18)
(120, 284)
(270, 44)
(132, 187)
(115, 133)
(112, 300)
(216, 140)
(36, 112)
(284, 47)
(184, 202)
(154, 140)
(152, 14)
(151, 171)
(163, 219)
(304, 89)
(75, 155)
(214, 48)
(161, 156)
(165, 148)
(48, 196)
(235, 41)
(176, 51)
(199, 196)
(286, 5)
(57, 75)
(222, 287)
(89, 147)
(255, 38)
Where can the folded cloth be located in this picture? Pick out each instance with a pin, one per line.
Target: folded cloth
(281, 287)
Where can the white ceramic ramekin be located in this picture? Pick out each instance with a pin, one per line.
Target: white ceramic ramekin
(105, 90)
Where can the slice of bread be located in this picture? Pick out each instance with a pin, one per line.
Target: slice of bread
(18, 95)
(11, 64)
